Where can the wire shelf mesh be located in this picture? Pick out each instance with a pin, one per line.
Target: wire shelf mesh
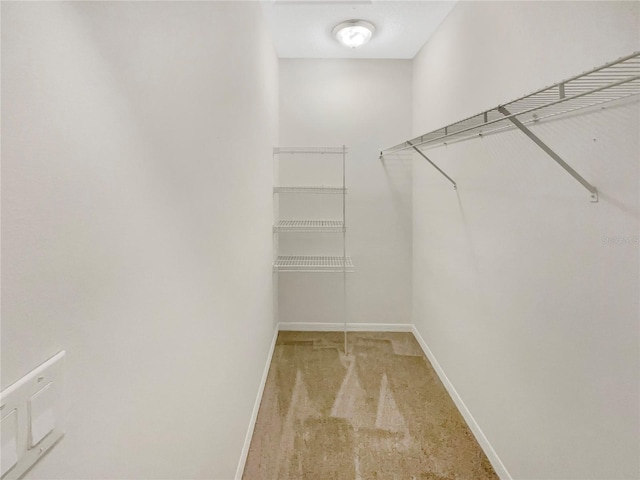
(314, 189)
(613, 81)
(309, 226)
(312, 150)
(313, 263)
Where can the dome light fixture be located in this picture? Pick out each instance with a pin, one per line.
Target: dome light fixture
(353, 33)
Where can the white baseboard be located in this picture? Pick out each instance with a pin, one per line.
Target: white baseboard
(256, 408)
(339, 327)
(491, 454)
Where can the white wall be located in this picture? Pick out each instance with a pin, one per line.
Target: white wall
(533, 317)
(136, 215)
(363, 104)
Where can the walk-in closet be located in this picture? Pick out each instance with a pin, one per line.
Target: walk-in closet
(320, 239)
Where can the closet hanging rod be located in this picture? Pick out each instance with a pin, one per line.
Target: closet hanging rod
(613, 81)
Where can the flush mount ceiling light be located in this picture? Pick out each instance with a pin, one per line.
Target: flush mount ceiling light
(353, 33)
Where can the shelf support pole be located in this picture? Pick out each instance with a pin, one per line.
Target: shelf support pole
(455, 187)
(551, 153)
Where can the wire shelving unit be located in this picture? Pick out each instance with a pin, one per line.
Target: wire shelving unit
(314, 263)
(610, 82)
(310, 150)
(326, 226)
(313, 189)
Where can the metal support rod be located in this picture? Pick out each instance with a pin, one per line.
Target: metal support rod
(551, 153)
(344, 246)
(455, 187)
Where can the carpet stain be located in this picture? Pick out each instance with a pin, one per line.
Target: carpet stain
(379, 412)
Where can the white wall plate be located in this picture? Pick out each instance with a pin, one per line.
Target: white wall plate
(32, 414)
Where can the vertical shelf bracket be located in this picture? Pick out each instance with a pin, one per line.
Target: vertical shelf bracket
(455, 187)
(344, 247)
(551, 153)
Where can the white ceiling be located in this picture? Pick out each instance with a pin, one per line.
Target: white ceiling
(302, 28)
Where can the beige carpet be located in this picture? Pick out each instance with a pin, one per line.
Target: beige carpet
(379, 413)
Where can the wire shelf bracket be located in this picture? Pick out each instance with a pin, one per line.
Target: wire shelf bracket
(535, 139)
(612, 81)
(455, 186)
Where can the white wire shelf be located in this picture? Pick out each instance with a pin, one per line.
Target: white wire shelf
(312, 263)
(312, 150)
(314, 189)
(328, 226)
(613, 81)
